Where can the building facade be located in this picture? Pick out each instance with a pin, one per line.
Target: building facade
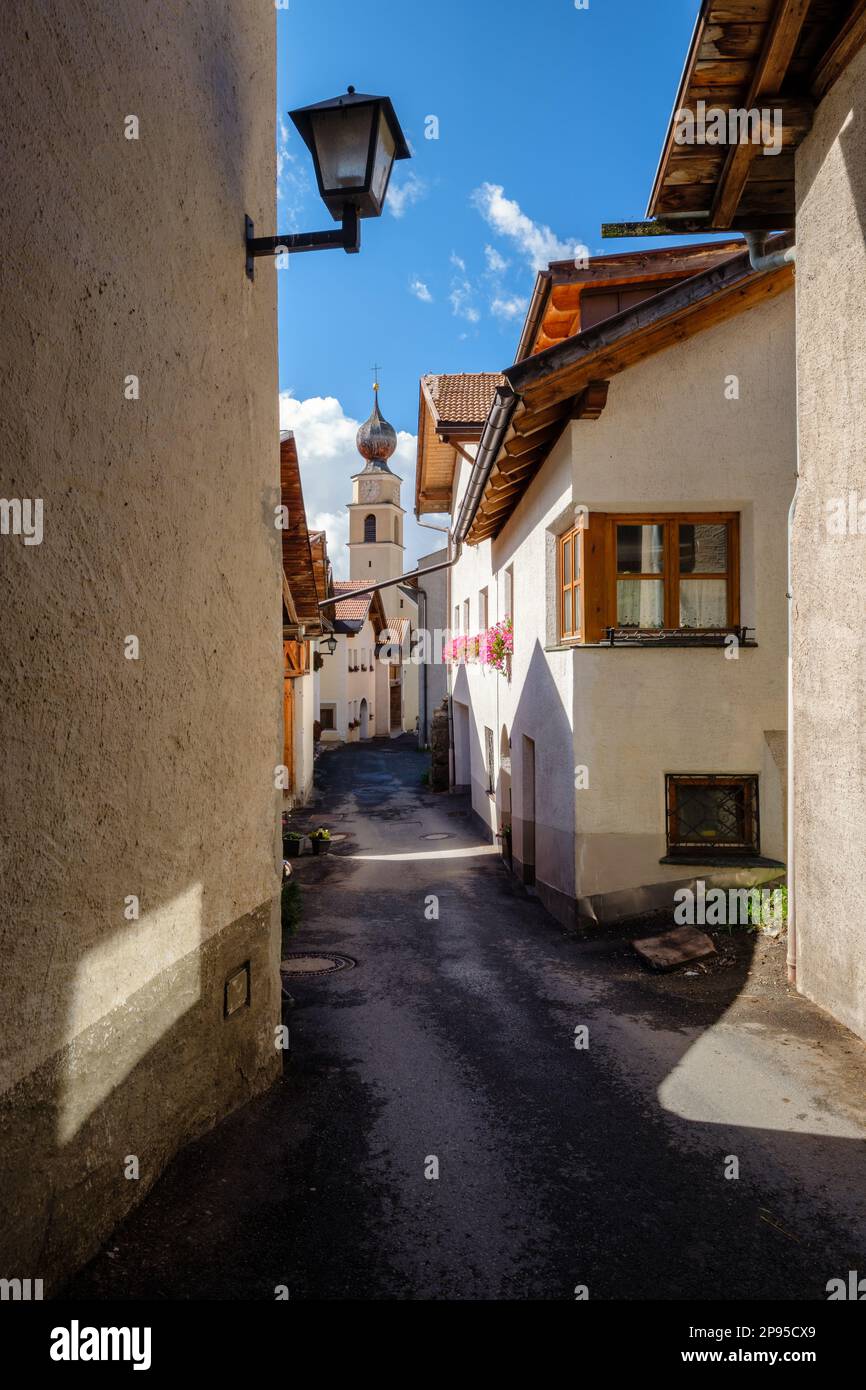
(815, 56)
(618, 605)
(355, 693)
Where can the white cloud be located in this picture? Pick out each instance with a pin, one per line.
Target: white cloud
(537, 242)
(460, 300)
(420, 291)
(325, 436)
(513, 307)
(402, 195)
(458, 262)
(293, 183)
(496, 264)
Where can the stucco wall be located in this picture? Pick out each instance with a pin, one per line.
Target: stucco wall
(434, 673)
(334, 685)
(669, 440)
(304, 747)
(829, 575)
(537, 702)
(154, 777)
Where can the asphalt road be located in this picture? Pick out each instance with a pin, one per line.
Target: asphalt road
(453, 1040)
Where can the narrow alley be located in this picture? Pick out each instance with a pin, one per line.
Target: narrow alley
(453, 1038)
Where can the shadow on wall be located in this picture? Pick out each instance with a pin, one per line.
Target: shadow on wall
(540, 786)
(131, 778)
(626, 1160)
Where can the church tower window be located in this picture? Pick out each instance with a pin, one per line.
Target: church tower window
(369, 529)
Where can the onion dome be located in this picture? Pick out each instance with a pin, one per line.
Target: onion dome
(377, 440)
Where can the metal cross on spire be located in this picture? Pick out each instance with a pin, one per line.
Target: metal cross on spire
(375, 371)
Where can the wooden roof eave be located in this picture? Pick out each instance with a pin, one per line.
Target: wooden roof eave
(796, 49)
(682, 89)
(550, 382)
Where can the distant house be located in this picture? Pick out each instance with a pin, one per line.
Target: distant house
(303, 624)
(620, 518)
(805, 65)
(354, 685)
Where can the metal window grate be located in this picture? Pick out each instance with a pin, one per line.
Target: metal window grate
(712, 814)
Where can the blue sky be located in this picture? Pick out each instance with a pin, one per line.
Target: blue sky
(551, 121)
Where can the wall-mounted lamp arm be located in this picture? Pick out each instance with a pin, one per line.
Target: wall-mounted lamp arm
(347, 239)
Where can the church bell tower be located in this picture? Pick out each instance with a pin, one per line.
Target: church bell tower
(376, 549)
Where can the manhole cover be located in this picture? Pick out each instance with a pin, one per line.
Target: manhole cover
(437, 837)
(301, 963)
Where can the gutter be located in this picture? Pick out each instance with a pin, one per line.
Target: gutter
(389, 583)
(792, 841)
(762, 259)
(535, 313)
(495, 427)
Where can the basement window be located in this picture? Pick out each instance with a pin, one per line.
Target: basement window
(712, 816)
(328, 714)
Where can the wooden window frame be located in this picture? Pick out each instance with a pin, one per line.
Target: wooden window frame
(570, 593)
(332, 711)
(670, 576)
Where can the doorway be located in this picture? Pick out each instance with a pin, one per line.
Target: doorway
(462, 748)
(364, 716)
(504, 796)
(528, 810)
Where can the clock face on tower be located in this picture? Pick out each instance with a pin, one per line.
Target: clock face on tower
(369, 490)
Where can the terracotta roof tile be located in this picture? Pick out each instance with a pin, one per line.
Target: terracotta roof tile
(465, 397)
(351, 610)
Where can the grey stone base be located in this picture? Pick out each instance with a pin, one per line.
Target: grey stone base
(64, 1187)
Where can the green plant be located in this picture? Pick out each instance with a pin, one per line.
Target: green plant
(292, 835)
(321, 834)
(763, 912)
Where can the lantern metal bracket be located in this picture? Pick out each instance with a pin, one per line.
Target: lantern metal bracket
(347, 239)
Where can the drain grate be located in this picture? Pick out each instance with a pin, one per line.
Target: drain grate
(308, 963)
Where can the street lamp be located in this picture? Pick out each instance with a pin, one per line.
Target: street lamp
(354, 140)
(330, 643)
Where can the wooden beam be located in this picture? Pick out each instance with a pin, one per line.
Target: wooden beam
(289, 601)
(844, 47)
(770, 73)
(464, 453)
(530, 422)
(591, 402)
(510, 475)
(521, 445)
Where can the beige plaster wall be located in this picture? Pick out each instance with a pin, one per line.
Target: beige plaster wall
(671, 440)
(829, 575)
(154, 777)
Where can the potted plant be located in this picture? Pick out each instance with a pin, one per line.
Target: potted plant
(291, 843)
(320, 841)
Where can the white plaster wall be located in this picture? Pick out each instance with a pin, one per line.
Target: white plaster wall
(829, 580)
(438, 620)
(333, 687)
(304, 745)
(669, 440)
(361, 685)
(537, 701)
